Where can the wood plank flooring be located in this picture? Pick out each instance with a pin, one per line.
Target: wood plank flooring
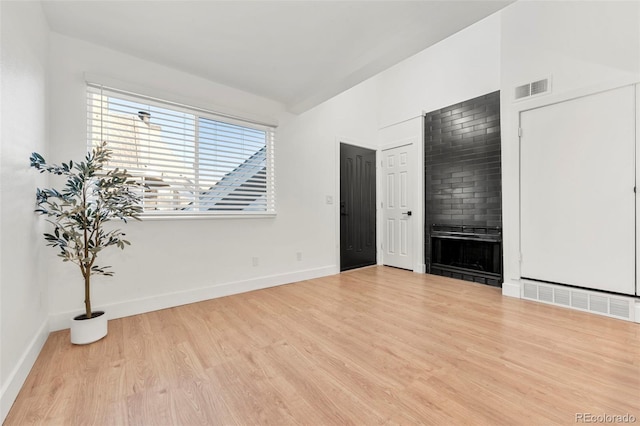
(367, 347)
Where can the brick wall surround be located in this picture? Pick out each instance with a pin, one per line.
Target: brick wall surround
(463, 179)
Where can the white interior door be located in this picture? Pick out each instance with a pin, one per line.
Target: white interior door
(396, 207)
(577, 192)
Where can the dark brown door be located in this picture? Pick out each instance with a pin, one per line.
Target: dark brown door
(357, 207)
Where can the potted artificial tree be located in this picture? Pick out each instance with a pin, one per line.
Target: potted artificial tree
(78, 213)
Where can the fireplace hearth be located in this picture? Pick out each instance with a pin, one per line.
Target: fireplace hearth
(472, 253)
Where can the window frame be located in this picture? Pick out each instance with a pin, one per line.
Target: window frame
(198, 114)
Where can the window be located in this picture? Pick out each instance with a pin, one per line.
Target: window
(192, 162)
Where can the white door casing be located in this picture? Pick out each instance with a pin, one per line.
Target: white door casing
(397, 244)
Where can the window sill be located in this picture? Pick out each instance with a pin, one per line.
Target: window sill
(152, 217)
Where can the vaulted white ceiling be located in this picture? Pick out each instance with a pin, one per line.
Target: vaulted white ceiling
(299, 53)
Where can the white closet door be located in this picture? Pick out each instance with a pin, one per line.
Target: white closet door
(396, 211)
(577, 192)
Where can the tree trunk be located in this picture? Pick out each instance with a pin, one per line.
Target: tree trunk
(87, 293)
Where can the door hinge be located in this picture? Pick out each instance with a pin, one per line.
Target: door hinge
(519, 132)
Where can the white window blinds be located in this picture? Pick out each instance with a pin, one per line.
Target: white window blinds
(192, 162)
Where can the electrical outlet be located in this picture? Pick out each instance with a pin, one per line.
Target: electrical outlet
(255, 261)
(329, 199)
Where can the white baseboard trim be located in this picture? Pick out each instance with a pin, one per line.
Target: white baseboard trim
(511, 289)
(60, 321)
(18, 375)
(636, 317)
(420, 269)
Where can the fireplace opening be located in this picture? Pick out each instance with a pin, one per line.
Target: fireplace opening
(470, 253)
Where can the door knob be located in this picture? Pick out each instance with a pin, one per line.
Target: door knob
(407, 213)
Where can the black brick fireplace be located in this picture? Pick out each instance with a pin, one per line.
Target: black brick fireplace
(463, 191)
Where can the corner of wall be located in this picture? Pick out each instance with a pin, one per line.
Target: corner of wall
(13, 383)
(511, 289)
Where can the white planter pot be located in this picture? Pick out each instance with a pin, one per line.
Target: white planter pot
(84, 331)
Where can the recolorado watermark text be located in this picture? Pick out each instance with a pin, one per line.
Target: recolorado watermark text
(605, 418)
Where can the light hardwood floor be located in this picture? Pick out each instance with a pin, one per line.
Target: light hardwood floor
(373, 346)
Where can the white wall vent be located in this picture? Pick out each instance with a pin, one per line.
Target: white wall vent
(599, 304)
(562, 297)
(534, 88)
(530, 291)
(584, 300)
(619, 308)
(523, 91)
(540, 86)
(579, 300)
(545, 294)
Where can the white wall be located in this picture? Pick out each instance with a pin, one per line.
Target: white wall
(583, 47)
(179, 261)
(23, 291)
(461, 67)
